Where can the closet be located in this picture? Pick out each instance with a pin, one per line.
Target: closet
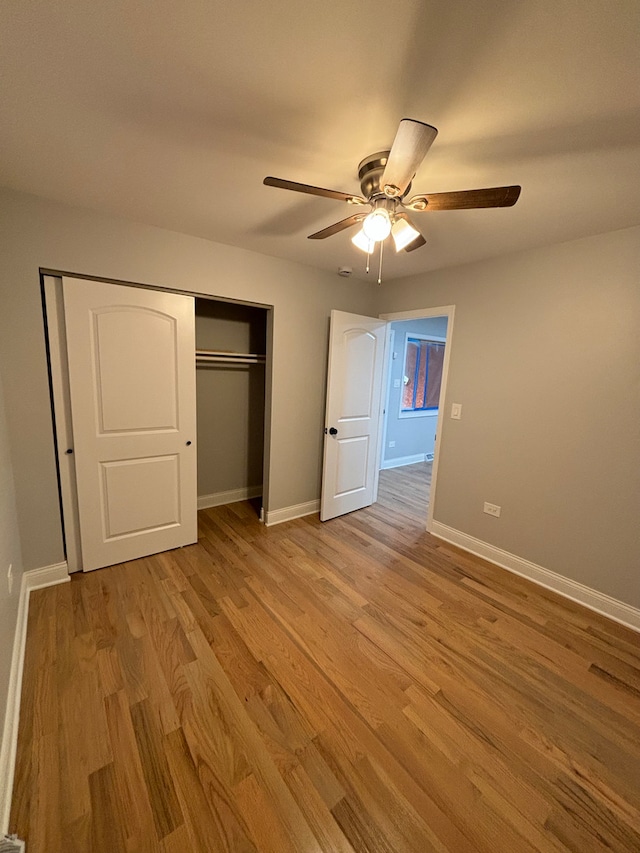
(159, 406)
(230, 399)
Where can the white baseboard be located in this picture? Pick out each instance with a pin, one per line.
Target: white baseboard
(288, 513)
(399, 461)
(34, 579)
(575, 591)
(230, 497)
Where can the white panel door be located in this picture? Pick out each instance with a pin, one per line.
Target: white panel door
(354, 384)
(131, 356)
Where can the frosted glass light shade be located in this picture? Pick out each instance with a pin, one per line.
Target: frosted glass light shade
(403, 234)
(363, 242)
(377, 225)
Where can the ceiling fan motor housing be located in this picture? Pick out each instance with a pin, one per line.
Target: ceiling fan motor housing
(370, 171)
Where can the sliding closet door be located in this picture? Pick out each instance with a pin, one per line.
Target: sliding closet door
(132, 385)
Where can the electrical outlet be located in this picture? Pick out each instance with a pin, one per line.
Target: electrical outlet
(492, 509)
(392, 444)
(10, 578)
(396, 383)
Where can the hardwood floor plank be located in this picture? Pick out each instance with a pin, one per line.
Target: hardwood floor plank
(45, 830)
(266, 825)
(106, 833)
(360, 829)
(167, 814)
(128, 776)
(317, 814)
(213, 822)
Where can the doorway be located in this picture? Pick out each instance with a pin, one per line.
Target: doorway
(418, 351)
(357, 380)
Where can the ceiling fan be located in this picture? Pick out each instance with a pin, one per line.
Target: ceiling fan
(385, 181)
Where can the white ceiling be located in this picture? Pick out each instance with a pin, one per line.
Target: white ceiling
(171, 113)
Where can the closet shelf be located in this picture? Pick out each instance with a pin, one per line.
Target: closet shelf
(211, 356)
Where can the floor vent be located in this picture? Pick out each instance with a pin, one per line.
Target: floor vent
(428, 457)
(11, 844)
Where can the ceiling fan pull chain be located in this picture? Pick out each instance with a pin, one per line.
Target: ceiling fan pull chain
(368, 258)
(380, 268)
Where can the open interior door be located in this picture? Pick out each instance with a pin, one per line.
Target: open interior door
(131, 356)
(354, 384)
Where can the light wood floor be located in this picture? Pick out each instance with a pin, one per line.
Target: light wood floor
(352, 686)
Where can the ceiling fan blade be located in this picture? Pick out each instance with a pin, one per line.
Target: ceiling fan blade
(419, 240)
(280, 183)
(466, 199)
(337, 227)
(413, 140)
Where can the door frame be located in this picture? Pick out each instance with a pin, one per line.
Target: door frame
(56, 346)
(386, 394)
(447, 311)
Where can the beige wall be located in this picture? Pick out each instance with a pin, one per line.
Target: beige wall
(546, 364)
(9, 555)
(37, 233)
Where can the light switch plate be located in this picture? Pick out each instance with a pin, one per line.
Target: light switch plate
(456, 411)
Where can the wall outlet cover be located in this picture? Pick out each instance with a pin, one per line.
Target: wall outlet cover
(492, 509)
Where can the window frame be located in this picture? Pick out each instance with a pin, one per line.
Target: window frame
(417, 413)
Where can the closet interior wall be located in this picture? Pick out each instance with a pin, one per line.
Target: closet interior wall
(230, 402)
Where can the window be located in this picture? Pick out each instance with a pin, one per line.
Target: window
(423, 362)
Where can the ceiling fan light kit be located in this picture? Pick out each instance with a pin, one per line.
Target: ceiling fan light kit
(362, 242)
(403, 234)
(385, 180)
(377, 225)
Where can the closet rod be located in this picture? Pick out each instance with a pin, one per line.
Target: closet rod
(222, 360)
(226, 359)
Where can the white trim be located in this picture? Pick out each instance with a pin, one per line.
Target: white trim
(384, 405)
(47, 576)
(229, 497)
(34, 579)
(288, 513)
(400, 461)
(418, 413)
(57, 340)
(568, 588)
(419, 314)
(447, 311)
(386, 393)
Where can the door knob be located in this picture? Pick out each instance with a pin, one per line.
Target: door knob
(333, 431)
